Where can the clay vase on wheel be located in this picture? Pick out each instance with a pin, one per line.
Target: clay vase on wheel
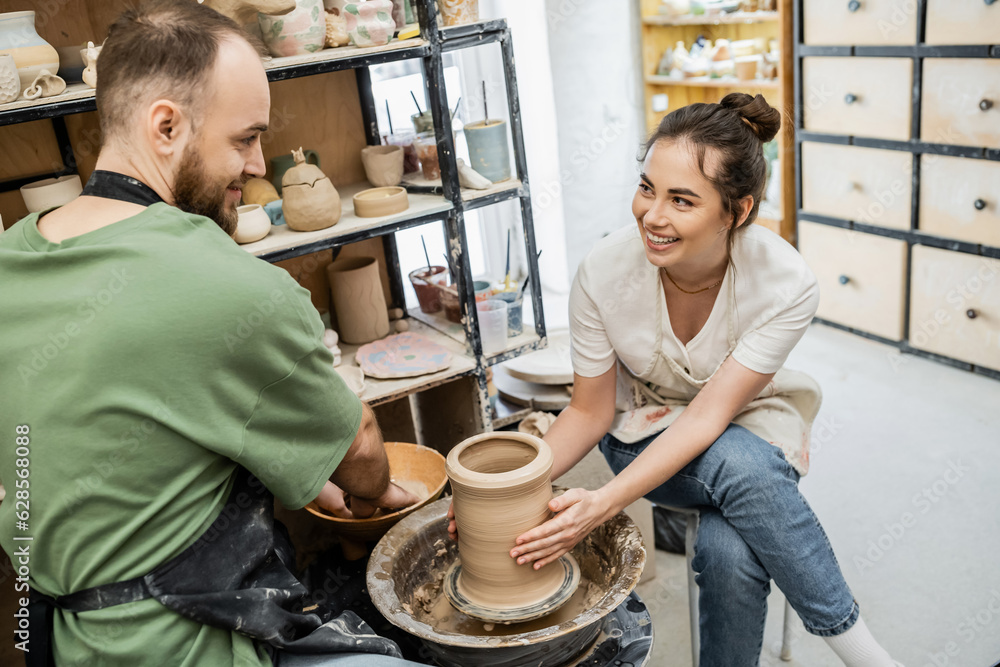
(502, 487)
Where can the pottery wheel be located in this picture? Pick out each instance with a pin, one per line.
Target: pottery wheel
(571, 579)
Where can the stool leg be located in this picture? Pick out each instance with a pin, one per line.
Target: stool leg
(786, 632)
(689, 540)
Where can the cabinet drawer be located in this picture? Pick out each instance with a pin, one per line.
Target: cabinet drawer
(865, 97)
(867, 185)
(955, 305)
(960, 103)
(962, 22)
(959, 198)
(835, 22)
(861, 277)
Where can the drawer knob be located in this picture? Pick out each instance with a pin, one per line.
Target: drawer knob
(980, 204)
(851, 98)
(843, 280)
(854, 5)
(971, 314)
(985, 105)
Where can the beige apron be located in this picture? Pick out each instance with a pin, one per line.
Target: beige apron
(650, 401)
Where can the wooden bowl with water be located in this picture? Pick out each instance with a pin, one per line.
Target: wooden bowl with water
(416, 468)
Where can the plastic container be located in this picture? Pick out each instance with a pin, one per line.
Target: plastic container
(427, 151)
(492, 325)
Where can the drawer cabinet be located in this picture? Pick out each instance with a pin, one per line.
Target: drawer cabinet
(867, 185)
(960, 198)
(861, 277)
(865, 97)
(862, 22)
(962, 22)
(955, 305)
(961, 102)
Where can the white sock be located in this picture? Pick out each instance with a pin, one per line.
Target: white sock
(858, 648)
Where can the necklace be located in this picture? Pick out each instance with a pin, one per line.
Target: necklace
(703, 289)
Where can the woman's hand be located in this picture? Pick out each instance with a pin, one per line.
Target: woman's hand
(578, 512)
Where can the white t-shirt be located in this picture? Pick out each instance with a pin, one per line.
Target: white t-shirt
(618, 310)
(618, 314)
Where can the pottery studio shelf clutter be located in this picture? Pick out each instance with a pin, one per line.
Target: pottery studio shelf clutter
(516, 345)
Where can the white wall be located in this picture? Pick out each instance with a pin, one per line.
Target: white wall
(597, 84)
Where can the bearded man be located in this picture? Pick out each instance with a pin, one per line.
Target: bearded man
(162, 383)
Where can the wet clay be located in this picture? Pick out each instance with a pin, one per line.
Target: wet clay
(502, 486)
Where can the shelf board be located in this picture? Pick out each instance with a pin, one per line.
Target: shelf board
(517, 345)
(342, 57)
(283, 240)
(705, 82)
(382, 391)
(79, 97)
(704, 19)
(511, 187)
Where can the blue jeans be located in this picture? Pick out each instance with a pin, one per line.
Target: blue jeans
(755, 526)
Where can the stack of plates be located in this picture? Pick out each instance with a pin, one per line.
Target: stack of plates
(541, 380)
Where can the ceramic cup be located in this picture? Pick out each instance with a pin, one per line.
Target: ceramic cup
(459, 12)
(10, 82)
(51, 192)
(746, 67)
(492, 325)
(488, 152)
(253, 225)
(482, 289)
(300, 31)
(425, 281)
(383, 164)
(515, 321)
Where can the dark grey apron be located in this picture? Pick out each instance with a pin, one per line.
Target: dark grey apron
(237, 576)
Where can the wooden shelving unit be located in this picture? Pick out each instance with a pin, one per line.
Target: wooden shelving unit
(660, 32)
(60, 135)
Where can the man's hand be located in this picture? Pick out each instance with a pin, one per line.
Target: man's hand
(394, 498)
(331, 499)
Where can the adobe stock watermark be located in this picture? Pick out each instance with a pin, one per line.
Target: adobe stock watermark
(923, 502)
(585, 155)
(41, 356)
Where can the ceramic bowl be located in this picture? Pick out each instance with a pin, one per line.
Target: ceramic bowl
(420, 469)
(383, 164)
(377, 202)
(253, 224)
(51, 192)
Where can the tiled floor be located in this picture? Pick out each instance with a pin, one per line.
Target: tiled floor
(890, 430)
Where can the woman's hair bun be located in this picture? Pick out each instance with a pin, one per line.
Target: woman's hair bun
(763, 119)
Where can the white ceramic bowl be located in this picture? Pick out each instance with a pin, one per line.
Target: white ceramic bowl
(51, 192)
(254, 224)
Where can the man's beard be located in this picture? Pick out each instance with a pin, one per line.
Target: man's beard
(195, 193)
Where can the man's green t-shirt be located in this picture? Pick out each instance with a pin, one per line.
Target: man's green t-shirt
(148, 358)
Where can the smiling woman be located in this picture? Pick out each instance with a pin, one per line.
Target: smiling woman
(680, 327)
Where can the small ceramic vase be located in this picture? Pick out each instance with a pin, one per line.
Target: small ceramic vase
(358, 299)
(31, 53)
(383, 164)
(336, 31)
(370, 23)
(89, 56)
(10, 82)
(459, 12)
(51, 192)
(301, 31)
(46, 84)
(253, 224)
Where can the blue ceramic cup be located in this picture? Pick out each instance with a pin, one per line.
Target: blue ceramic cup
(515, 321)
